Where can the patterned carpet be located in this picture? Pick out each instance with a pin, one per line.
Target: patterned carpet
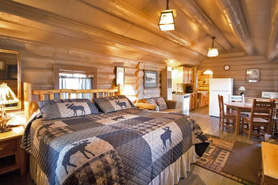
(233, 159)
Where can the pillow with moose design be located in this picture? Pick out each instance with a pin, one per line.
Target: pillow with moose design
(113, 103)
(65, 108)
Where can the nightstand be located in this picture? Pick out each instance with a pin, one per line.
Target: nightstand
(12, 157)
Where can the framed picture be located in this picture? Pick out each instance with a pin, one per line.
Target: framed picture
(2, 65)
(150, 79)
(120, 76)
(253, 75)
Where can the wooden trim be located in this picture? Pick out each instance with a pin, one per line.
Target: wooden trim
(30, 105)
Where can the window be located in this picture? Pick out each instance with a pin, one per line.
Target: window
(74, 77)
(75, 81)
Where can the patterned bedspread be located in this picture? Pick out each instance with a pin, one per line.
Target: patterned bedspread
(130, 146)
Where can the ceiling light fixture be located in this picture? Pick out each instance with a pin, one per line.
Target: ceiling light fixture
(212, 52)
(208, 72)
(166, 20)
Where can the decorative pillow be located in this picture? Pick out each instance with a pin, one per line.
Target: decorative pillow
(150, 101)
(64, 108)
(153, 102)
(113, 103)
(161, 103)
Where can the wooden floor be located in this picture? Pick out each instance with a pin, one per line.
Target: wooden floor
(210, 125)
(197, 176)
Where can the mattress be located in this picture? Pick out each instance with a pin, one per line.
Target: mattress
(130, 146)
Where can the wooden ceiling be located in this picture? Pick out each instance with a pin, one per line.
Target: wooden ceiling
(129, 28)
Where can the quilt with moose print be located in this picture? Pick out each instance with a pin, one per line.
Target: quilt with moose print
(130, 146)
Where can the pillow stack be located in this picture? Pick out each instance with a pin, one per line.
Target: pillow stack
(158, 102)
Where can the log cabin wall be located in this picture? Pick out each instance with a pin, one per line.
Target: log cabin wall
(238, 66)
(38, 59)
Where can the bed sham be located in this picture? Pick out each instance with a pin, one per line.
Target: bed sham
(65, 108)
(113, 103)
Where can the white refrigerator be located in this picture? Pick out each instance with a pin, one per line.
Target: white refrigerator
(222, 86)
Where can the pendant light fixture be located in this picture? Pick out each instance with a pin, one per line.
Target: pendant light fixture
(212, 52)
(166, 20)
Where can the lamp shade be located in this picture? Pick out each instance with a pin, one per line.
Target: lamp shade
(166, 21)
(242, 88)
(213, 52)
(7, 96)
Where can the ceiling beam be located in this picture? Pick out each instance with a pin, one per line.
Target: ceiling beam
(272, 51)
(129, 13)
(235, 18)
(65, 26)
(192, 10)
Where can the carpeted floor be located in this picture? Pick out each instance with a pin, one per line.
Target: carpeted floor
(233, 159)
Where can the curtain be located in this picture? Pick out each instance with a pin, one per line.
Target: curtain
(75, 83)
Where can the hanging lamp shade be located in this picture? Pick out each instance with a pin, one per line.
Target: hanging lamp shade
(166, 20)
(212, 51)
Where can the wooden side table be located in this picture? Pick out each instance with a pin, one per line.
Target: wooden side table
(12, 157)
(270, 164)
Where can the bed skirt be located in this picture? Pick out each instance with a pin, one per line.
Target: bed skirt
(171, 175)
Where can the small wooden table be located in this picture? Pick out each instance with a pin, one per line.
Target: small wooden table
(239, 107)
(12, 157)
(270, 164)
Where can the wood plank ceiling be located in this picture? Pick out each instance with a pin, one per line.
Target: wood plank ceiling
(129, 28)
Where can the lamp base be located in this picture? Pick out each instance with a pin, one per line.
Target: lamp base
(2, 130)
(242, 93)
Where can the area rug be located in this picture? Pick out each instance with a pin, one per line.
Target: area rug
(233, 159)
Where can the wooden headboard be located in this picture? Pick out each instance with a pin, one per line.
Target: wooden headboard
(31, 105)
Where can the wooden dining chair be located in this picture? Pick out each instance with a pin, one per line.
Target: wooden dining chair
(261, 116)
(226, 120)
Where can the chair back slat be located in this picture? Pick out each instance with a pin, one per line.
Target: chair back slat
(262, 109)
(221, 105)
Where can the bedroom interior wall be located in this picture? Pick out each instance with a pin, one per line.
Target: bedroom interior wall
(238, 66)
(38, 59)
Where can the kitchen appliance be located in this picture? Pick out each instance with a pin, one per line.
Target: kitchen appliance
(183, 102)
(219, 86)
(189, 89)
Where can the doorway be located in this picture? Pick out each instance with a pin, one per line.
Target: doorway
(203, 88)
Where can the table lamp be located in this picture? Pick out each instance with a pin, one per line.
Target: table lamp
(7, 96)
(242, 88)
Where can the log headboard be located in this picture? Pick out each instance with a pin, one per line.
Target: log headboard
(31, 105)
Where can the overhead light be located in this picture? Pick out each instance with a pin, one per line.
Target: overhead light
(166, 20)
(171, 61)
(212, 52)
(208, 72)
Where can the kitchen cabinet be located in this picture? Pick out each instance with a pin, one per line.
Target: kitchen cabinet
(185, 75)
(192, 101)
(203, 97)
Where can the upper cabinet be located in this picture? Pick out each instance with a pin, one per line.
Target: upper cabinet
(185, 75)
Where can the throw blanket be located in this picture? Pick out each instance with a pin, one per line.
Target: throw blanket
(130, 146)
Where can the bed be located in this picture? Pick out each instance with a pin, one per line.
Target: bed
(120, 145)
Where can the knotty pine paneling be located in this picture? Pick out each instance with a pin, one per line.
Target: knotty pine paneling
(38, 59)
(238, 66)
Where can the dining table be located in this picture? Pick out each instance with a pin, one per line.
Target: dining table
(239, 107)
